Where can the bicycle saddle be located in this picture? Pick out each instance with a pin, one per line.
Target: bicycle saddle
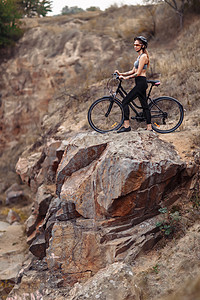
(154, 82)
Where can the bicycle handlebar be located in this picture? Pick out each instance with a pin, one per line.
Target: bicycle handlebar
(115, 75)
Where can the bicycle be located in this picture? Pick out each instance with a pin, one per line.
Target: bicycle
(106, 114)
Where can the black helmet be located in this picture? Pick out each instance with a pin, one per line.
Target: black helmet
(142, 39)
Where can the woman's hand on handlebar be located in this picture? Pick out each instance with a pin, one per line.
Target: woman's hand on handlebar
(115, 75)
(118, 75)
(117, 72)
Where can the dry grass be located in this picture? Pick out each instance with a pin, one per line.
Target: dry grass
(22, 215)
(175, 64)
(179, 67)
(113, 23)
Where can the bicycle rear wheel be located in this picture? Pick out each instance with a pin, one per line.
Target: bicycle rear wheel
(106, 114)
(166, 114)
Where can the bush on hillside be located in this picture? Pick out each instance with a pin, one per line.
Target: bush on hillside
(93, 8)
(71, 10)
(9, 23)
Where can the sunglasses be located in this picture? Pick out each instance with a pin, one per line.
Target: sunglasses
(137, 45)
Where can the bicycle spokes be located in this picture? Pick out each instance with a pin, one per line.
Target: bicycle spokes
(105, 114)
(166, 114)
(109, 109)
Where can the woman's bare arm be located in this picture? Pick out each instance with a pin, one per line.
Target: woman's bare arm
(126, 73)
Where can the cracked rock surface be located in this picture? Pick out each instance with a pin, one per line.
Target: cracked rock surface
(100, 205)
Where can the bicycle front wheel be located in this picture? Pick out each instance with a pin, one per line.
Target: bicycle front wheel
(166, 114)
(106, 114)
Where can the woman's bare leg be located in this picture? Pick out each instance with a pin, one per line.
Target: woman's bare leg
(149, 127)
(126, 123)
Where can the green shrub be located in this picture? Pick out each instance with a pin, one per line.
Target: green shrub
(71, 10)
(169, 222)
(93, 8)
(9, 23)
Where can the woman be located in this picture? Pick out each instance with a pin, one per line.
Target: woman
(139, 73)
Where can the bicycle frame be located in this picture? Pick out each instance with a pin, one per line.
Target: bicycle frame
(120, 90)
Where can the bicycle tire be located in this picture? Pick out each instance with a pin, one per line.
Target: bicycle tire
(166, 114)
(106, 114)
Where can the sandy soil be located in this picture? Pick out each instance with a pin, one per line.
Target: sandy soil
(183, 141)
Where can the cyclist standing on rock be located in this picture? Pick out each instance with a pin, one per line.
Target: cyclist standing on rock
(139, 73)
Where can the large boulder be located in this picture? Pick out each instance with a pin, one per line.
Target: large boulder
(115, 282)
(101, 205)
(110, 188)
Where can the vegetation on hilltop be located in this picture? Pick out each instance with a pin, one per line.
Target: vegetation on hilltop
(75, 10)
(9, 22)
(31, 8)
(11, 11)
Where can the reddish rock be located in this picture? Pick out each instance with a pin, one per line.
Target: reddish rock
(12, 217)
(38, 247)
(38, 229)
(109, 189)
(36, 168)
(31, 223)
(35, 222)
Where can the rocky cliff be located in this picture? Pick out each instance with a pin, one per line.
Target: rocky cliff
(97, 201)
(38, 83)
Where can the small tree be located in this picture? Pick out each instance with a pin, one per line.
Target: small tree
(28, 7)
(71, 10)
(93, 8)
(43, 7)
(148, 21)
(32, 8)
(177, 5)
(9, 22)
